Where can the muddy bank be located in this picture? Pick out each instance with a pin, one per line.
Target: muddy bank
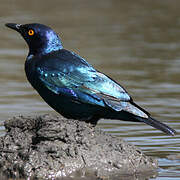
(49, 146)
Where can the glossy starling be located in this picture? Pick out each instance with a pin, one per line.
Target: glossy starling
(71, 86)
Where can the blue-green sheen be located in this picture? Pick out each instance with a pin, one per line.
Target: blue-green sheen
(73, 87)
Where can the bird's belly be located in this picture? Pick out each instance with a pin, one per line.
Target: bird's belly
(65, 105)
(69, 107)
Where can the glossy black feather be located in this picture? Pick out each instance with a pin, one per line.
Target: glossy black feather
(71, 86)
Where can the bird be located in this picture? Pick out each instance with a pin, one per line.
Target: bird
(73, 87)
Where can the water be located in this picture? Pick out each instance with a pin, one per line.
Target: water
(137, 43)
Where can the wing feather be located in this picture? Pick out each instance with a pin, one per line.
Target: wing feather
(83, 83)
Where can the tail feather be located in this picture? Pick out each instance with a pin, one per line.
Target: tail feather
(158, 125)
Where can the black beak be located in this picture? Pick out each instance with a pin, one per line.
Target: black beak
(14, 26)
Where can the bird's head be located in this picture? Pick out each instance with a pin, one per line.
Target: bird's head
(41, 39)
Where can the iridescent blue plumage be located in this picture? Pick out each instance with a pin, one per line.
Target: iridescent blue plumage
(71, 86)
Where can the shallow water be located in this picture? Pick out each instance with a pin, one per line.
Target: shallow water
(137, 43)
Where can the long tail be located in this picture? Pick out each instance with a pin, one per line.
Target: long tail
(158, 125)
(153, 122)
(129, 111)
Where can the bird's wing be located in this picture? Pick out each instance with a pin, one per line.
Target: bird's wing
(87, 82)
(84, 84)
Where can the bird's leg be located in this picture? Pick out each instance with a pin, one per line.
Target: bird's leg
(92, 121)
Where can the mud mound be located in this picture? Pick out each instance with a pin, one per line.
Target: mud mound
(54, 147)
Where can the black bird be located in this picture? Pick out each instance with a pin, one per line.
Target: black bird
(71, 86)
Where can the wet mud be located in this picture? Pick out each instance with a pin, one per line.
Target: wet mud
(51, 147)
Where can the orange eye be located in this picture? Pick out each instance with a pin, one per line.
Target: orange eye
(31, 32)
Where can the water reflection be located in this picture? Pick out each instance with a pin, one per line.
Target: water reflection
(134, 42)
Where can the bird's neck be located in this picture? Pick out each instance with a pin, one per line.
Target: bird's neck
(48, 45)
(53, 44)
